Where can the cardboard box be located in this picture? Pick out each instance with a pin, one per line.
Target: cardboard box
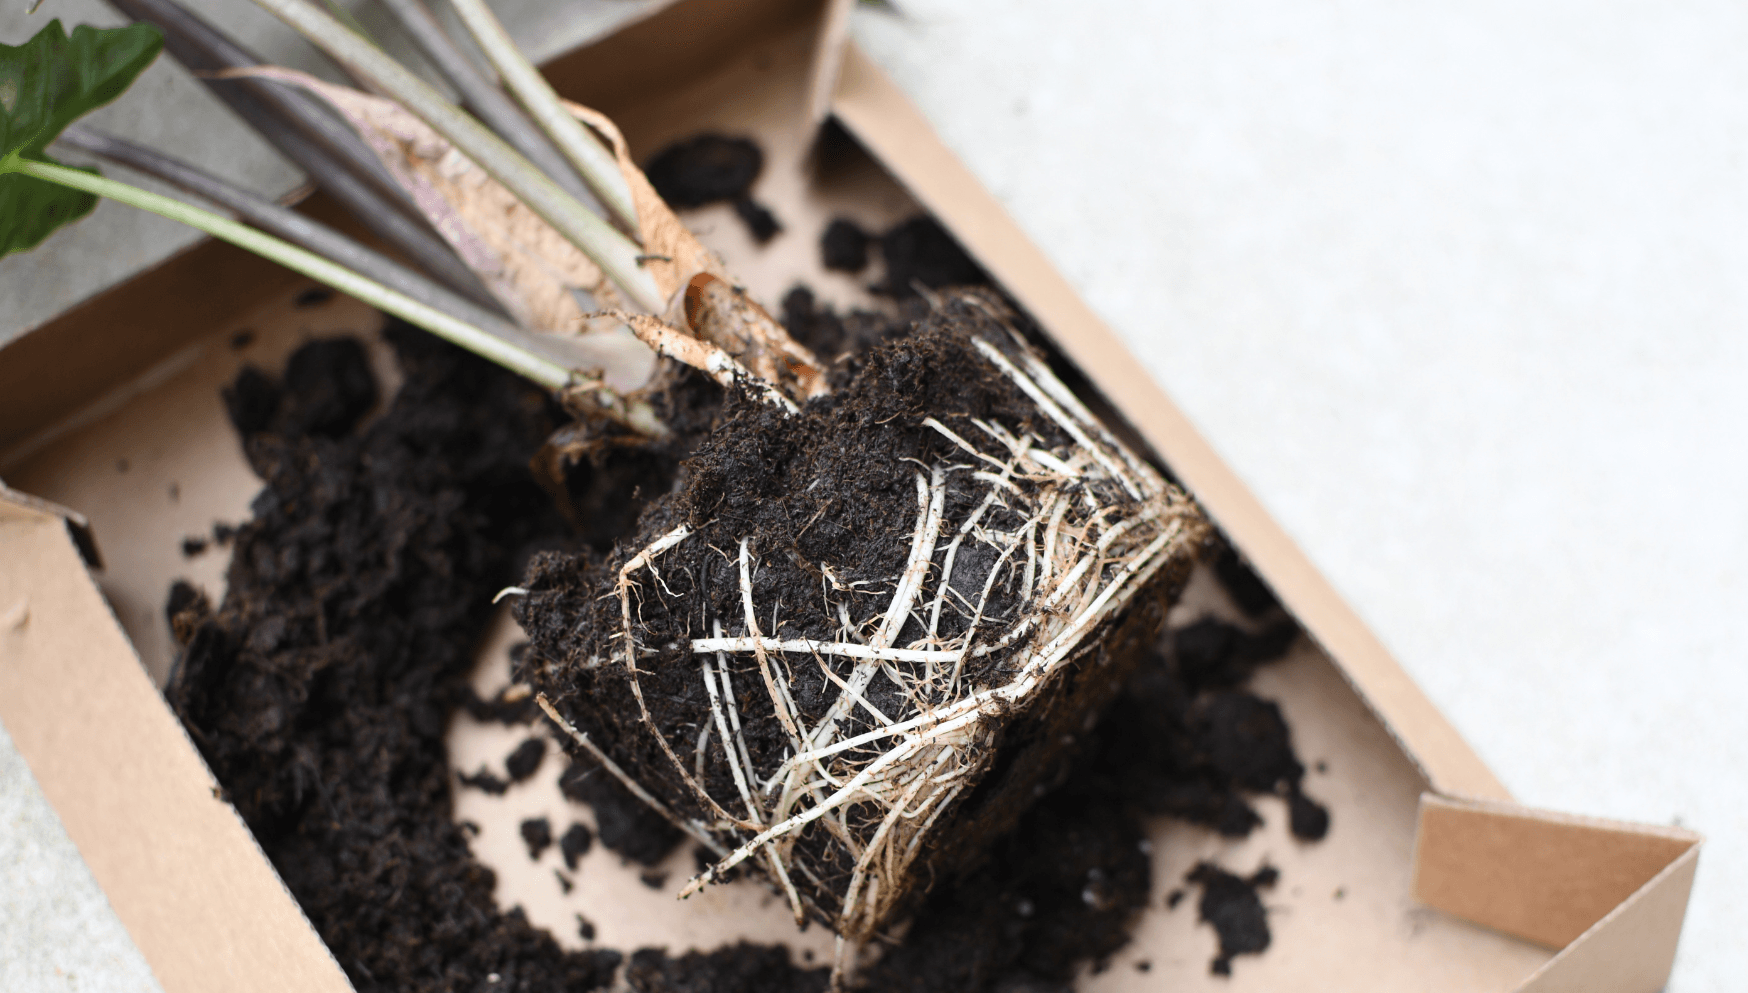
(1431, 877)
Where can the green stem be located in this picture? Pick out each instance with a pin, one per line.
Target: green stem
(592, 160)
(548, 374)
(616, 254)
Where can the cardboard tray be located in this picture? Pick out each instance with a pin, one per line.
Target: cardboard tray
(1431, 876)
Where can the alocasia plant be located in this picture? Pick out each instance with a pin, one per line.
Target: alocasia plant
(45, 84)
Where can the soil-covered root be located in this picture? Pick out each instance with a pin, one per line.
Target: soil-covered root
(858, 639)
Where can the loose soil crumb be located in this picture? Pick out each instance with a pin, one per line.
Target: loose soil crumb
(510, 706)
(537, 835)
(758, 218)
(575, 844)
(624, 823)
(485, 782)
(1212, 654)
(711, 168)
(844, 246)
(921, 251)
(1230, 903)
(524, 762)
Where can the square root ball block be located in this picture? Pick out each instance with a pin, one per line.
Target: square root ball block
(857, 642)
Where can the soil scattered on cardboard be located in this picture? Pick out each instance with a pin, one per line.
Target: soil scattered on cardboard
(844, 246)
(714, 168)
(1232, 905)
(920, 252)
(319, 691)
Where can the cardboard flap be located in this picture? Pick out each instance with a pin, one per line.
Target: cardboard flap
(16, 504)
(828, 59)
(1611, 894)
(872, 107)
(180, 869)
(1633, 948)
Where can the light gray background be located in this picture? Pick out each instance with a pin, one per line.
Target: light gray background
(1457, 287)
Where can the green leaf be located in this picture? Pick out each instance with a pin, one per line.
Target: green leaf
(46, 84)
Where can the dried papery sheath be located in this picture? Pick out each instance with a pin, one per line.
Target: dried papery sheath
(860, 640)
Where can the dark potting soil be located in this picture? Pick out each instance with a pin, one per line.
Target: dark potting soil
(844, 246)
(838, 338)
(509, 706)
(1231, 904)
(320, 689)
(1247, 589)
(624, 823)
(760, 222)
(485, 782)
(537, 835)
(920, 251)
(712, 168)
(524, 762)
(575, 844)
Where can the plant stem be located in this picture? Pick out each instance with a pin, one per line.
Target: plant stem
(592, 160)
(616, 254)
(542, 371)
(315, 140)
(297, 229)
(482, 96)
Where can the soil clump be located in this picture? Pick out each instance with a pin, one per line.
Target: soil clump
(1231, 904)
(844, 246)
(920, 252)
(714, 168)
(824, 507)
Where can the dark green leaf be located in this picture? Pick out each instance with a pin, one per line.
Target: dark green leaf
(45, 84)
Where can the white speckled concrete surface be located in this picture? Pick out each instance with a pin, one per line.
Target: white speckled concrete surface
(1456, 287)
(57, 933)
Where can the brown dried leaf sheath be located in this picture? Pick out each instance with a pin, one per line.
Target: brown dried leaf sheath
(701, 294)
(861, 638)
(526, 264)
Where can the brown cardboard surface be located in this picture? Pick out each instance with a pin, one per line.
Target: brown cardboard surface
(1632, 949)
(183, 470)
(1542, 876)
(671, 48)
(873, 108)
(1342, 917)
(180, 869)
(830, 43)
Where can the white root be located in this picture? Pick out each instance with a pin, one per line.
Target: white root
(840, 649)
(1073, 530)
(636, 789)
